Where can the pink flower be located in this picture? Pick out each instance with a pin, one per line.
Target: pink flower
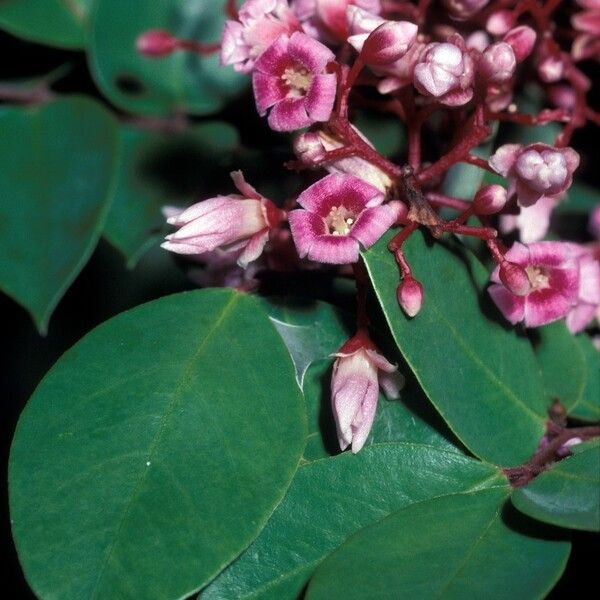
(532, 222)
(358, 372)
(446, 72)
(290, 78)
(497, 63)
(260, 23)
(588, 297)
(536, 170)
(231, 223)
(340, 212)
(588, 23)
(553, 270)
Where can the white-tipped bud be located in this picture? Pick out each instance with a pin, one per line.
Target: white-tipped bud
(498, 63)
(514, 278)
(522, 40)
(489, 200)
(410, 296)
(551, 69)
(500, 21)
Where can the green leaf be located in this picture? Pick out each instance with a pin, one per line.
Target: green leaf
(330, 499)
(562, 362)
(182, 81)
(150, 174)
(478, 373)
(409, 418)
(581, 199)
(385, 132)
(56, 164)
(457, 546)
(155, 450)
(588, 408)
(59, 23)
(568, 494)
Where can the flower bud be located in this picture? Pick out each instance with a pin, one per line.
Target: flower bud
(498, 62)
(156, 43)
(514, 278)
(463, 9)
(522, 40)
(562, 96)
(551, 69)
(478, 40)
(500, 22)
(410, 296)
(489, 200)
(388, 42)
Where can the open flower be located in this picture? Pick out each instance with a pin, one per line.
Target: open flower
(290, 78)
(535, 170)
(259, 24)
(230, 222)
(532, 222)
(358, 372)
(340, 212)
(588, 295)
(553, 271)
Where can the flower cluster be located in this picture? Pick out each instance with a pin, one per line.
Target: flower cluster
(453, 65)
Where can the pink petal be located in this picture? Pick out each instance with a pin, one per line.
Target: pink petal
(545, 306)
(362, 429)
(320, 97)
(552, 254)
(566, 282)
(589, 279)
(526, 195)
(457, 97)
(268, 90)
(372, 223)
(309, 52)
(379, 361)
(580, 316)
(391, 384)
(306, 227)
(288, 115)
(253, 248)
(200, 209)
(334, 249)
(519, 254)
(504, 158)
(511, 306)
(243, 186)
(274, 60)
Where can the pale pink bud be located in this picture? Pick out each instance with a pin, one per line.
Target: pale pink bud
(514, 278)
(562, 96)
(498, 62)
(156, 43)
(410, 296)
(500, 22)
(309, 147)
(463, 9)
(389, 42)
(551, 69)
(489, 200)
(522, 40)
(478, 40)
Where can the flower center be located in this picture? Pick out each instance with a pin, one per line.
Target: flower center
(297, 79)
(339, 220)
(538, 277)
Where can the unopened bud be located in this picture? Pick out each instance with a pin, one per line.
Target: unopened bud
(551, 69)
(514, 278)
(522, 40)
(463, 9)
(478, 40)
(500, 22)
(156, 43)
(410, 296)
(498, 63)
(563, 96)
(388, 42)
(489, 200)
(309, 148)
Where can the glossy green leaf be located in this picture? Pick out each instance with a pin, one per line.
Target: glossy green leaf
(56, 165)
(456, 546)
(152, 173)
(61, 23)
(160, 445)
(562, 362)
(479, 374)
(588, 408)
(331, 499)
(409, 418)
(567, 494)
(182, 81)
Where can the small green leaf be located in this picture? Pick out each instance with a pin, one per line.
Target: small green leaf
(331, 499)
(155, 450)
(151, 174)
(61, 23)
(588, 408)
(567, 494)
(56, 162)
(478, 373)
(182, 81)
(451, 547)
(562, 362)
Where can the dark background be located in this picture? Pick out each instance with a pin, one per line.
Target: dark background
(106, 287)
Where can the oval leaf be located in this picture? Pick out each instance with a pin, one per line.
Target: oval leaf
(160, 445)
(182, 81)
(588, 408)
(568, 494)
(333, 498)
(471, 367)
(56, 163)
(458, 546)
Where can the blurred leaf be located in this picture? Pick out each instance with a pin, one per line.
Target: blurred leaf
(160, 445)
(385, 132)
(409, 418)
(456, 546)
(562, 363)
(588, 408)
(331, 499)
(581, 199)
(567, 494)
(56, 165)
(148, 164)
(478, 373)
(61, 23)
(180, 82)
